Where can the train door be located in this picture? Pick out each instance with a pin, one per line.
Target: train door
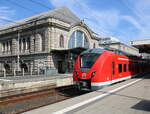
(113, 71)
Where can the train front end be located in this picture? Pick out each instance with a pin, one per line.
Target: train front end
(86, 68)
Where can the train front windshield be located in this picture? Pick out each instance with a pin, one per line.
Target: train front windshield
(87, 60)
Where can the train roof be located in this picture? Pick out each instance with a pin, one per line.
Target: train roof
(94, 50)
(116, 51)
(119, 52)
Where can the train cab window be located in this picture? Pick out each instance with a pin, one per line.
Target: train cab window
(88, 60)
(125, 67)
(120, 68)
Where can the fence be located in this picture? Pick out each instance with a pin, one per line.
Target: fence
(23, 72)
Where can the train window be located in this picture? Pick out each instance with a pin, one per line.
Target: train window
(113, 67)
(133, 67)
(125, 67)
(129, 67)
(120, 68)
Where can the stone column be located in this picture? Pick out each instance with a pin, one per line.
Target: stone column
(26, 44)
(13, 65)
(6, 49)
(1, 48)
(83, 39)
(51, 61)
(51, 64)
(32, 38)
(47, 40)
(75, 41)
(14, 46)
(52, 37)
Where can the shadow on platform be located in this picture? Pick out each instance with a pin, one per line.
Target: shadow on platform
(142, 105)
(70, 91)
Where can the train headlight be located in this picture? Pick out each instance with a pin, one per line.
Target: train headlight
(76, 73)
(93, 74)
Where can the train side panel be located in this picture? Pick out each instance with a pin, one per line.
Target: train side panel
(103, 74)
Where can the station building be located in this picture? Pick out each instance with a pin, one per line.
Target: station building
(143, 46)
(51, 40)
(114, 43)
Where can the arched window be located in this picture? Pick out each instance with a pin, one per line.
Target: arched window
(78, 39)
(94, 45)
(39, 38)
(61, 41)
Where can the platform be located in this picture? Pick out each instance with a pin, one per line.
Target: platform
(20, 84)
(128, 97)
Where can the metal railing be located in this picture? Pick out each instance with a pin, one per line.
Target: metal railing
(22, 72)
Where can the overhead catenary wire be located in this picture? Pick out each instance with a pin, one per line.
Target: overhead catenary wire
(21, 6)
(29, 9)
(6, 20)
(40, 4)
(87, 8)
(101, 29)
(136, 12)
(45, 6)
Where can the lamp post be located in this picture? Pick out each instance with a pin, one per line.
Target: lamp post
(18, 57)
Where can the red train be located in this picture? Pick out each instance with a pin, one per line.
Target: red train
(96, 68)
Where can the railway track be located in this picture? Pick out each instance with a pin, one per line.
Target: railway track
(28, 101)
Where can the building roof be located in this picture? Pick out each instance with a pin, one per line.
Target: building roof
(119, 43)
(62, 13)
(142, 45)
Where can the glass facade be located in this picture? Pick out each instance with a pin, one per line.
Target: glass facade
(78, 39)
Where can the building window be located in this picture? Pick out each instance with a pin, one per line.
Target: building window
(113, 67)
(3, 47)
(41, 42)
(24, 44)
(28, 43)
(20, 47)
(120, 68)
(61, 41)
(78, 39)
(6, 46)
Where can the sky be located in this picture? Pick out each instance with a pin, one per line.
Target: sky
(124, 19)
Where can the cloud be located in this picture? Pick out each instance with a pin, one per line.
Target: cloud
(5, 14)
(133, 21)
(99, 21)
(112, 21)
(140, 16)
(59, 3)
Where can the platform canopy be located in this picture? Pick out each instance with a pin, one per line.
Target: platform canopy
(142, 45)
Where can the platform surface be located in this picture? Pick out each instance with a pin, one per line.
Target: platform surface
(128, 97)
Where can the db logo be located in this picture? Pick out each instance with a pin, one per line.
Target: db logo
(83, 75)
